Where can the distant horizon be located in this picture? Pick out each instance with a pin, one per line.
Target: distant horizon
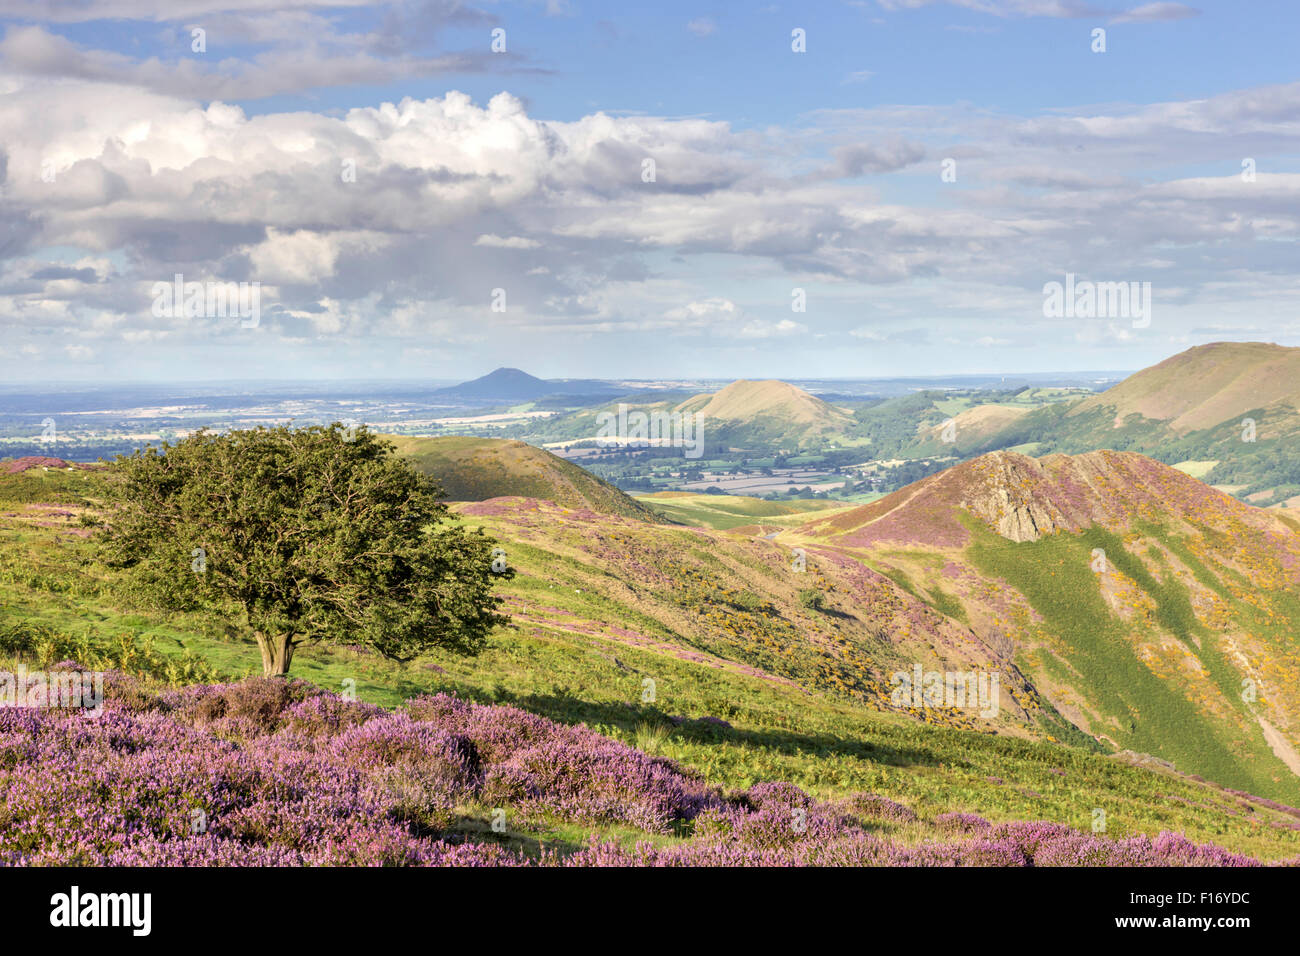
(52, 385)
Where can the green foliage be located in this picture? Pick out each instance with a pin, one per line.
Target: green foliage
(812, 598)
(316, 534)
(1140, 710)
(44, 646)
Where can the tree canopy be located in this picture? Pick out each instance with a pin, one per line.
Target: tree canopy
(308, 534)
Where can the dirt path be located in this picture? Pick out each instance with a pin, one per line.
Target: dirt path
(1281, 746)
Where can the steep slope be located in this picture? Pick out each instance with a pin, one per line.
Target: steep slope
(743, 604)
(1231, 410)
(1204, 386)
(1155, 612)
(476, 469)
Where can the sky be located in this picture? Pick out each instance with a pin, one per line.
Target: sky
(433, 189)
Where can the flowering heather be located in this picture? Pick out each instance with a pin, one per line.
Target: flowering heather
(276, 773)
(961, 823)
(870, 806)
(541, 767)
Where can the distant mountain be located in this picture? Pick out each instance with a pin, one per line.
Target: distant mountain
(476, 469)
(513, 385)
(1151, 610)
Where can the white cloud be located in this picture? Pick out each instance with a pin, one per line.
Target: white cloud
(1156, 13)
(756, 329)
(508, 242)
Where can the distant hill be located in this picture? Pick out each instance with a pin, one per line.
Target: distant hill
(1231, 409)
(761, 416)
(1139, 600)
(1205, 386)
(767, 411)
(513, 385)
(476, 469)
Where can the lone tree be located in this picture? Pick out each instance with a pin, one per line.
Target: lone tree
(312, 534)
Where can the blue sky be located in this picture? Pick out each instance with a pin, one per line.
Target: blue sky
(130, 157)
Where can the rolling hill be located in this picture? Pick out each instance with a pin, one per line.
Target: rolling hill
(1154, 612)
(475, 469)
(1205, 386)
(761, 416)
(1229, 410)
(767, 412)
(760, 673)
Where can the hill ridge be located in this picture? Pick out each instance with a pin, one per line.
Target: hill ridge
(478, 469)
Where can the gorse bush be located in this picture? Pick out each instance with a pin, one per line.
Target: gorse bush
(43, 646)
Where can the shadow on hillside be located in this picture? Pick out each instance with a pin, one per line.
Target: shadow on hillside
(628, 717)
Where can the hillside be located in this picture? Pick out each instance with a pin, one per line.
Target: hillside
(969, 427)
(1205, 386)
(749, 683)
(326, 780)
(476, 469)
(767, 412)
(1141, 601)
(726, 512)
(1229, 410)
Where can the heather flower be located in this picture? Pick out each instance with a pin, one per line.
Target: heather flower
(280, 773)
(870, 806)
(961, 823)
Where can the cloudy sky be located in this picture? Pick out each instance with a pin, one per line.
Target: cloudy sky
(435, 188)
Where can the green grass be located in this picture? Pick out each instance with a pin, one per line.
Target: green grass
(723, 512)
(1138, 709)
(829, 746)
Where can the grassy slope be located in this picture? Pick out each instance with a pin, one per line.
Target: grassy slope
(1153, 653)
(475, 469)
(563, 666)
(1139, 708)
(1190, 407)
(723, 512)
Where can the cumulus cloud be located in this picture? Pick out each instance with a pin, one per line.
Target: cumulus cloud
(400, 219)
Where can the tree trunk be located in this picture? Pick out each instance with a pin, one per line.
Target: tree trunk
(277, 653)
